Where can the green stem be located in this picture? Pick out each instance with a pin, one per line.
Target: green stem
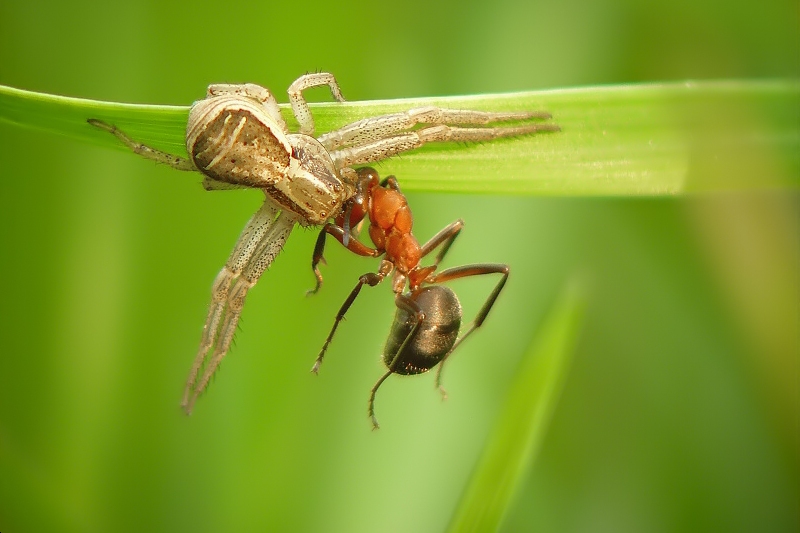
(629, 140)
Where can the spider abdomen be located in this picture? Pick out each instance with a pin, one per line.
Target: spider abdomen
(233, 140)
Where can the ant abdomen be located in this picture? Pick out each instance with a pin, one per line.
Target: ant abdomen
(415, 352)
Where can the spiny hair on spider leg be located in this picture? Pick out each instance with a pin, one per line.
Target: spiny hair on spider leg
(213, 377)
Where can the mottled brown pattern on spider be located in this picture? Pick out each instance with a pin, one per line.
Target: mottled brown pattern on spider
(240, 149)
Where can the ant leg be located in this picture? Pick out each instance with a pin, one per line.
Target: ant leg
(299, 104)
(371, 279)
(413, 310)
(371, 409)
(260, 241)
(357, 247)
(464, 272)
(374, 128)
(416, 315)
(178, 163)
(444, 238)
(317, 258)
(384, 148)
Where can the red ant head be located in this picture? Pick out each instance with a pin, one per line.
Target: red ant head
(357, 206)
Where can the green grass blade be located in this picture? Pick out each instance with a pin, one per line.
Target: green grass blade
(523, 421)
(160, 125)
(654, 139)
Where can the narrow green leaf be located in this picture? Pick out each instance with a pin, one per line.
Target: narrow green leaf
(164, 126)
(520, 429)
(655, 139)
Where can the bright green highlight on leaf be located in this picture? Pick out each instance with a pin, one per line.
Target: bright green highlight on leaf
(629, 140)
(523, 421)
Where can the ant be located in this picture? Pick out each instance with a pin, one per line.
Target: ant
(426, 326)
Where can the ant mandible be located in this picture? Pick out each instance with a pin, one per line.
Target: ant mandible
(426, 326)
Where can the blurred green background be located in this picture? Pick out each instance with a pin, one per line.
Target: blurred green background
(681, 409)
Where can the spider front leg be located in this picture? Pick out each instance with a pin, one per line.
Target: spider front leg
(381, 149)
(299, 104)
(374, 128)
(178, 163)
(260, 242)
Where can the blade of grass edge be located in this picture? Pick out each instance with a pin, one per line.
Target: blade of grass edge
(624, 140)
(513, 444)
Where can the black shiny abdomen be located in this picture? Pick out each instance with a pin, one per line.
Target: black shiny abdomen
(434, 337)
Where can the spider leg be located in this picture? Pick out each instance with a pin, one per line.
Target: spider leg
(260, 242)
(384, 148)
(178, 163)
(299, 104)
(374, 128)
